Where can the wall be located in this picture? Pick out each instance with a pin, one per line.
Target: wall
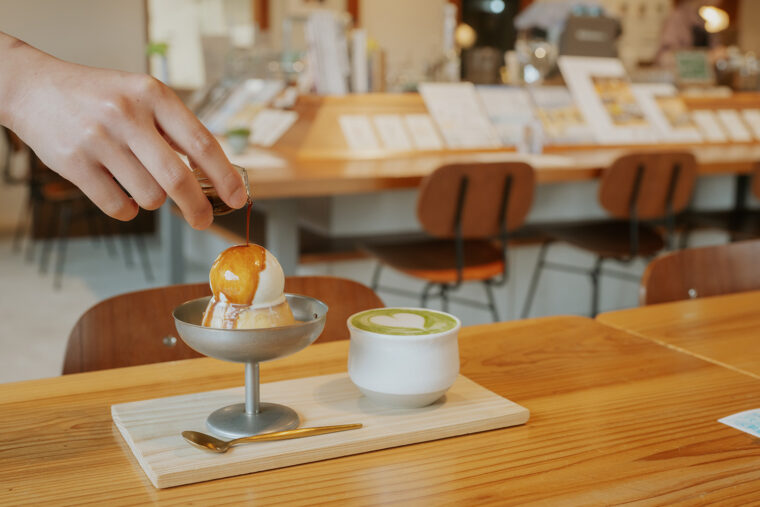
(411, 33)
(91, 32)
(182, 24)
(749, 35)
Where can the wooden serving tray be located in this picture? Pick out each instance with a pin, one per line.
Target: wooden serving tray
(152, 427)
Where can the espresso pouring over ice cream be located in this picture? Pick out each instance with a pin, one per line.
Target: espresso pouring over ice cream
(248, 287)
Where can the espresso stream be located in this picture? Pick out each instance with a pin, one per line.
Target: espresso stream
(235, 273)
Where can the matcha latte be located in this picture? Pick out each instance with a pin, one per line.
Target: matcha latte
(403, 321)
(403, 357)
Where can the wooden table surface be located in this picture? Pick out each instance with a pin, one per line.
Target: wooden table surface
(298, 177)
(614, 418)
(721, 329)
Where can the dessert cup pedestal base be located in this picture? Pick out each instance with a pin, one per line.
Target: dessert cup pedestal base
(233, 421)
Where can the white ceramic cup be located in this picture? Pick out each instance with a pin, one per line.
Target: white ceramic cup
(403, 357)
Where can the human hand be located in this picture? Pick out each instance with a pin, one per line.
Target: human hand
(95, 126)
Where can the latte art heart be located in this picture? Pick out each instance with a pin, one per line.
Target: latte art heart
(405, 320)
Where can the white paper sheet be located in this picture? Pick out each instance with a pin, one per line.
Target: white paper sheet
(734, 125)
(422, 129)
(357, 129)
(392, 132)
(269, 125)
(709, 126)
(510, 111)
(747, 421)
(667, 112)
(457, 111)
(601, 88)
(752, 119)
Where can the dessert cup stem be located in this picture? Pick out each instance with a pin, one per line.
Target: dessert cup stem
(252, 388)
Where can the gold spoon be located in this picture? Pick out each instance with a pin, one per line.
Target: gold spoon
(210, 443)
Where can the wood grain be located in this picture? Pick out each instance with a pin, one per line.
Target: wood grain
(723, 329)
(659, 171)
(614, 419)
(482, 199)
(701, 272)
(152, 428)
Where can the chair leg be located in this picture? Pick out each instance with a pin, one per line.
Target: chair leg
(444, 298)
(62, 241)
(491, 301)
(683, 240)
(30, 242)
(105, 227)
(425, 294)
(47, 246)
(22, 225)
(127, 246)
(534, 280)
(142, 251)
(376, 276)
(595, 272)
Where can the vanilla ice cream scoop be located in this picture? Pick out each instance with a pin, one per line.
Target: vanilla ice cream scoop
(248, 286)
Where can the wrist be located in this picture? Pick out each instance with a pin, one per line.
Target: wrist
(20, 67)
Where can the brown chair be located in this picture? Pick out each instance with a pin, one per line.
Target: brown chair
(138, 328)
(702, 272)
(635, 188)
(468, 210)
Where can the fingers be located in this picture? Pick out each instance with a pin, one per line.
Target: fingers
(172, 175)
(185, 131)
(125, 167)
(103, 191)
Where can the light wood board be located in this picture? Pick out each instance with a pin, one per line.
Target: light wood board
(152, 427)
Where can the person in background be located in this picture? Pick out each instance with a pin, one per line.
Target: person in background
(97, 127)
(685, 29)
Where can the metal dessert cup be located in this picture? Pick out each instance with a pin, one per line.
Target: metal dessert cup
(251, 346)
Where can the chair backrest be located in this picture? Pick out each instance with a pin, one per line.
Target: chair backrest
(701, 272)
(651, 185)
(138, 328)
(480, 197)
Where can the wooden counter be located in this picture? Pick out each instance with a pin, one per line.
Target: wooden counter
(309, 178)
(614, 419)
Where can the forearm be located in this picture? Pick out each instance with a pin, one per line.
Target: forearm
(20, 66)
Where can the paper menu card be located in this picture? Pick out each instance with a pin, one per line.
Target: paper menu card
(709, 126)
(357, 129)
(734, 126)
(560, 118)
(457, 111)
(424, 135)
(509, 110)
(223, 113)
(747, 421)
(601, 88)
(270, 124)
(392, 132)
(667, 112)
(752, 119)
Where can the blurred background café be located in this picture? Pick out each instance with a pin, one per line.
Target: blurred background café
(626, 129)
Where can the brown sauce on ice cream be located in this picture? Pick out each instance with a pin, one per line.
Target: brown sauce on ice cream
(235, 273)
